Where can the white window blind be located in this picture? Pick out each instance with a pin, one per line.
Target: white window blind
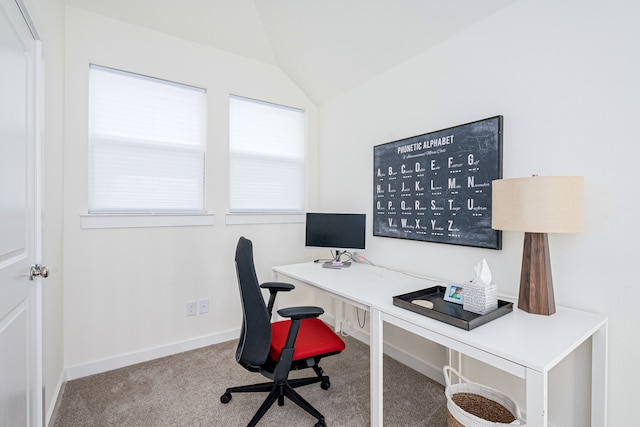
(147, 144)
(266, 149)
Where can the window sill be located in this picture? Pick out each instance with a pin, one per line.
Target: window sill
(263, 218)
(144, 220)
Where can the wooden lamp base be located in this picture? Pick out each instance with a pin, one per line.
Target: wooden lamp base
(536, 284)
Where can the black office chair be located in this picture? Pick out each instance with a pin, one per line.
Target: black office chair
(274, 349)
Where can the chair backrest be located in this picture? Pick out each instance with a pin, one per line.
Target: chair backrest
(255, 338)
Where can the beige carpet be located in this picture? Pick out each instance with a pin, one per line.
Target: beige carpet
(185, 389)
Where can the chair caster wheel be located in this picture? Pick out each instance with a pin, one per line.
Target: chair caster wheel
(321, 423)
(225, 398)
(325, 385)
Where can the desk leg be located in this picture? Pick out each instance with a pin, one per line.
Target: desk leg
(375, 368)
(274, 314)
(338, 309)
(599, 351)
(537, 398)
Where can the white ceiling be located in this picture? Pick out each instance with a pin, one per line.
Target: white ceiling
(326, 47)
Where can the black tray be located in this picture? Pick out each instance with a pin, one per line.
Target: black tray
(449, 312)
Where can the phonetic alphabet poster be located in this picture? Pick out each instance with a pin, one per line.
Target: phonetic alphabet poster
(436, 187)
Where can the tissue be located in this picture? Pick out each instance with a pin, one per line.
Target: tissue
(481, 294)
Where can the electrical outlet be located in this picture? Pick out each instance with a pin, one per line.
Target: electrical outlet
(203, 306)
(191, 308)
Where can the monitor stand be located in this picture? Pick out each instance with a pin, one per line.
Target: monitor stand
(336, 263)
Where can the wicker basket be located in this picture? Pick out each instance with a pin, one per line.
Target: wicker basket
(471, 404)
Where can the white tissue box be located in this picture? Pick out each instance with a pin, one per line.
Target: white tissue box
(480, 298)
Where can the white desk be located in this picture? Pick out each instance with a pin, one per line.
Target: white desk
(522, 344)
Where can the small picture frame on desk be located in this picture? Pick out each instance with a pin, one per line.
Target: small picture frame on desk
(454, 293)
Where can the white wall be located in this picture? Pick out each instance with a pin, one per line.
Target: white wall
(125, 290)
(564, 76)
(561, 73)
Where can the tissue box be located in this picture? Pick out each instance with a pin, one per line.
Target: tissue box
(480, 298)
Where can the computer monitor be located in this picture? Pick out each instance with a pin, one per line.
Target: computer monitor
(338, 232)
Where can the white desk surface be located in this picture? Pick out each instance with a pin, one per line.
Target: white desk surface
(532, 341)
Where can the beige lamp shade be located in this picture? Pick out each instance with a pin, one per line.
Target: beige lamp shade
(538, 204)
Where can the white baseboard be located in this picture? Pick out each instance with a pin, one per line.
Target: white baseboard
(426, 369)
(104, 365)
(422, 366)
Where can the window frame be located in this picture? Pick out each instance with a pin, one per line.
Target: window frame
(155, 216)
(266, 215)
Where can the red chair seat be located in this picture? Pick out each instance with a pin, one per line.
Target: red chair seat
(315, 338)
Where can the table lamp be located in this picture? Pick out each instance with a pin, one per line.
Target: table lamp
(538, 205)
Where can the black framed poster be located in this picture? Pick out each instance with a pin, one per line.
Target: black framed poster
(436, 187)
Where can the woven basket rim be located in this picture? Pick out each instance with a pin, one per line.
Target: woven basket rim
(475, 389)
(494, 412)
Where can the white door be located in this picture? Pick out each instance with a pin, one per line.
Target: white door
(20, 347)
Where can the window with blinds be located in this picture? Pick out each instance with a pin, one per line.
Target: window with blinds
(266, 150)
(147, 144)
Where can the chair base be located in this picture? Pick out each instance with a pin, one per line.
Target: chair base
(278, 391)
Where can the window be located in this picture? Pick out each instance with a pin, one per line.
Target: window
(266, 150)
(147, 144)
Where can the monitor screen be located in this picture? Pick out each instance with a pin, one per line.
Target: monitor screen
(335, 231)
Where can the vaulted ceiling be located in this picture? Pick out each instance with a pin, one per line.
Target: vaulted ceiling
(326, 47)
